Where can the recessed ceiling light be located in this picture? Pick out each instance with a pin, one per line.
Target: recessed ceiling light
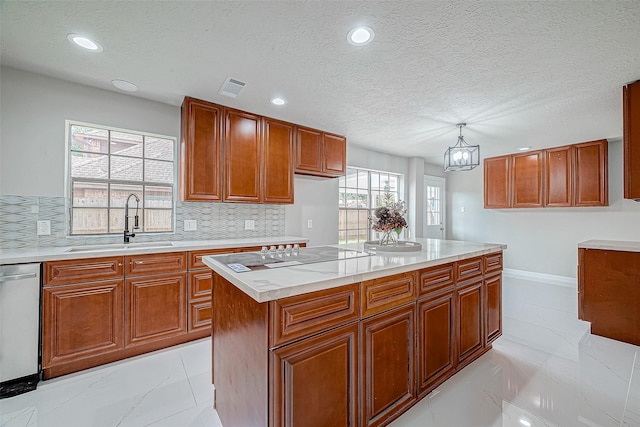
(525, 422)
(360, 36)
(278, 101)
(84, 42)
(124, 85)
(525, 148)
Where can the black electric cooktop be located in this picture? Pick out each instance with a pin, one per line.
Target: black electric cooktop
(250, 261)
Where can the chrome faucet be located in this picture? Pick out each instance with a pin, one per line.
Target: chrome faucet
(127, 234)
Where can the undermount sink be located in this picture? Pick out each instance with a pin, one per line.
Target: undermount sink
(119, 246)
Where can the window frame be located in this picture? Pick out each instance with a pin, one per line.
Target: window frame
(371, 235)
(69, 181)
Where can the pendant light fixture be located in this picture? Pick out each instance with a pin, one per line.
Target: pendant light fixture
(462, 156)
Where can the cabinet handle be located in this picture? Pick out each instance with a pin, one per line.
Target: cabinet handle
(119, 264)
(139, 262)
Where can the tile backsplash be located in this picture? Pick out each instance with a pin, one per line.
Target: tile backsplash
(19, 216)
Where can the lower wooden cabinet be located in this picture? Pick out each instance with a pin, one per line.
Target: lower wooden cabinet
(315, 381)
(469, 320)
(322, 359)
(435, 359)
(155, 308)
(82, 320)
(609, 292)
(493, 308)
(387, 348)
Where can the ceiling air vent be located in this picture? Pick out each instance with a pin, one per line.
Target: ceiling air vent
(231, 87)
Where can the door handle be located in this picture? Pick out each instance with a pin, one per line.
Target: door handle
(17, 277)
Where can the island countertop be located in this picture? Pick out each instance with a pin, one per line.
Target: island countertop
(272, 284)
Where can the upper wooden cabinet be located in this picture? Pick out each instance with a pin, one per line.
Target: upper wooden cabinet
(631, 120)
(241, 147)
(497, 182)
(591, 174)
(277, 161)
(200, 151)
(235, 156)
(573, 175)
(559, 176)
(528, 173)
(320, 153)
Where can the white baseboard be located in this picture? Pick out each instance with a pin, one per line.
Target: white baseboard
(570, 282)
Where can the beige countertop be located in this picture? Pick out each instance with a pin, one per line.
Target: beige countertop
(20, 256)
(270, 284)
(611, 245)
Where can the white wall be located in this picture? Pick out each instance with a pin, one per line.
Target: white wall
(545, 239)
(32, 137)
(315, 199)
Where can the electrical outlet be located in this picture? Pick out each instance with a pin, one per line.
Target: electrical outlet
(309, 223)
(249, 224)
(44, 228)
(190, 225)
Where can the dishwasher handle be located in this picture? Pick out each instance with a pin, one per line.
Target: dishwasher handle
(17, 277)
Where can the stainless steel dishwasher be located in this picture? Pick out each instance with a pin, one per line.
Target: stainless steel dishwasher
(19, 328)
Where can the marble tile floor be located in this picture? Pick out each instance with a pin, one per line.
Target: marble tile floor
(546, 370)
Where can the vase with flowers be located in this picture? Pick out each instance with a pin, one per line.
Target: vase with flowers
(389, 220)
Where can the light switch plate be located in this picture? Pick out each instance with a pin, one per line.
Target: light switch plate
(44, 228)
(249, 224)
(190, 225)
(309, 223)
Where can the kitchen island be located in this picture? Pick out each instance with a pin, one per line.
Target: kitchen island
(350, 342)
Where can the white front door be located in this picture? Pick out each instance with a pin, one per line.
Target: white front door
(434, 208)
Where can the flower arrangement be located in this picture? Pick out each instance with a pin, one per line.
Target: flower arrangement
(388, 218)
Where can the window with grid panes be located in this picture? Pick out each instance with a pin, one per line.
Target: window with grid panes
(106, 165)
(361, 191)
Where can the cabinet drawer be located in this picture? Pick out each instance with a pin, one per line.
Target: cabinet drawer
(82, 270)
(469, 268)
(386, 293)
(200, 314)
(492, 262)
(143, 265)
(436, 278)
(302, 315)
(200, 284)
(195, 257)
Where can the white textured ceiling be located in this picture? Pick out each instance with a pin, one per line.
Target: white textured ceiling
(542, 73)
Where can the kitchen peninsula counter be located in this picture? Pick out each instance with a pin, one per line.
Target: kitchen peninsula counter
(350, 342)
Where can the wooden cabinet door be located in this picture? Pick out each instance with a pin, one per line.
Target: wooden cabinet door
(334, 155)
(387, 348)
(631, 122)
(559, 176)
(527, 179)
(470, 320)
(155, 308)
(81, 320)
(277, 162)
(497, 182)
(591, 174)
(315, 380)
(241, 151)
(493, 308)
(609, 291)
(308, 150)
(435, 359)
(200, 176)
